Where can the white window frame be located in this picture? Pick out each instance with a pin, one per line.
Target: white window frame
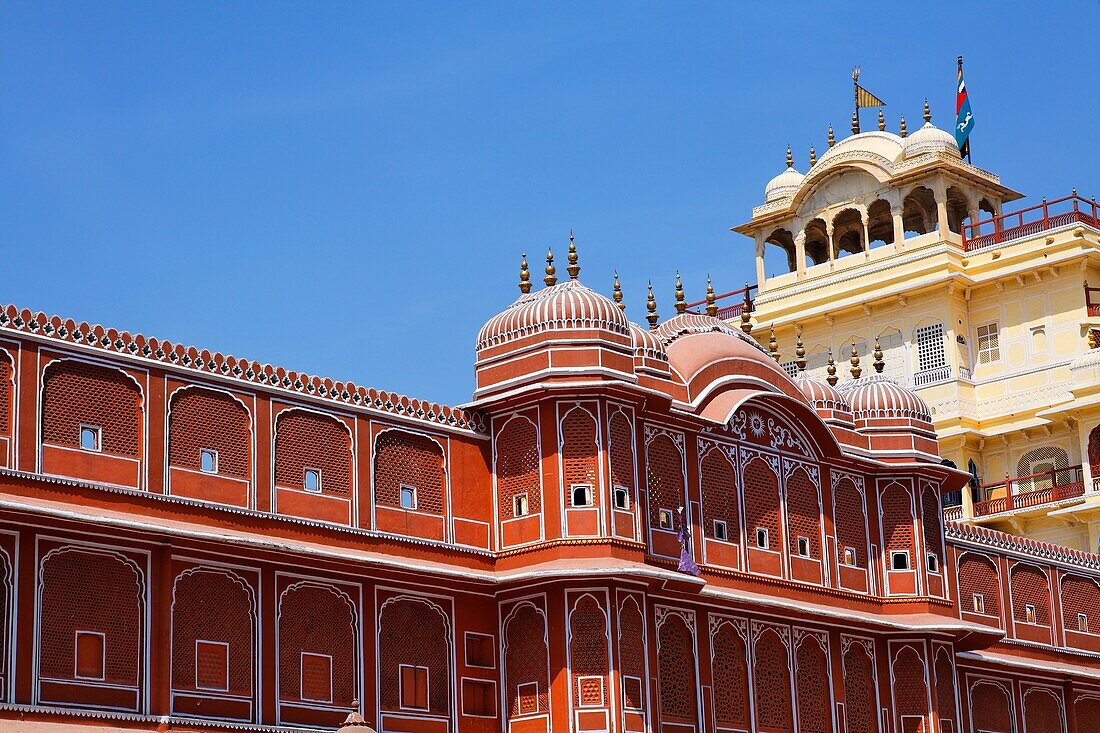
(404, 490)
(589, 495)
(624, 492)
(850, 557)
(894, 554)
(517, 500)
(305, 480)
(203, 452)
(95, 430)
(519, 697)
(800, 543)
(224, 645)
(427, 687)
(641, 692)
(977, 601)
(767, 543)
(665, 519)
(1083, 622)
(932, 562)
(1029, 613)
(77, 633)
(302, 676)
(721, 530)
(988, 336)
(580, 686)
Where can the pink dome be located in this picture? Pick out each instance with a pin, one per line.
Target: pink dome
(827, 400)
(646, 344)
(879, 397)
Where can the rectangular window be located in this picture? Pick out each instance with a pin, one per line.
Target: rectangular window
(931, 352)
(414, 687)
(989, 346)
(581, 495)
(479, 698)
(933, 563)
(91, 648)
(899, 560)
(721, 532)
(527, 698)
(632, 693)
(212, 665)
(804, 546)
(479, 650)
(1029, 613)
(312, 480)
(590, 691)
(519, 505)
(762, 538)
(408, 496)
(978, 601)
(664, 516)
(1082, 622)
(90, 438)
(208, 460)
(622, 498)
(316, 680)
(790, 367)
(850, 556)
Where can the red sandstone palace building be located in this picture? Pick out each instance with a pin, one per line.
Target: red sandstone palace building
(628, 529)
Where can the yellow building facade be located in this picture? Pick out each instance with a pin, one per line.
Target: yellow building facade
(980, 307)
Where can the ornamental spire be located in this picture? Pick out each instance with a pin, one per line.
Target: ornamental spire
(878, 363)
(651, 308)
(712, 305)
(773, 345)
(832, 379)
(746, 312)
(855, 122)
(927, 111)
(832, 137)
(813, 156)
(790, 158)
(903, 132)
(681, 304)
(551, 278)
(524, 275)
(799, 352)
(856, 371)
(881, 121)
(573, 268)
(617, 293)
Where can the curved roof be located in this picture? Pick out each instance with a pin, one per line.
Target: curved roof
(820, 393)
(877, 396)
(930, 139)
(875, 144)
(646, 343)
(783, 185)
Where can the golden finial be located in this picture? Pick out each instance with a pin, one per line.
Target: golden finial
(773, 345)
(832, 379)
(790, 158)
(746, 312)
(651, 308)
(1091, 336)
(832, 137)
(799, 352)
(904, 132)
(927, 111)
(551, 278)
(681, 304)
(524, 276)
(573, 268)
(878, 363)
(855, 122)
(881, 121)
(712, 304)
(856, 371)
(617, 293)
(813, 156)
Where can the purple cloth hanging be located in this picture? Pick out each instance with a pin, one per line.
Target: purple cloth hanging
(687, 564)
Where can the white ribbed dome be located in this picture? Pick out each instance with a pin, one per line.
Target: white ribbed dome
(783, 186)
(646, 344)
(930, 139)
(878, 396)
(821, 394)
(565, 306)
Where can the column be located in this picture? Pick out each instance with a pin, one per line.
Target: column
(760, 275)
(899, 228)
(866, 235)
(800, 253)
(832, 244)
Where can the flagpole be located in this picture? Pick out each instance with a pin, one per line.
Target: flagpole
(968, 143)
(855, 94)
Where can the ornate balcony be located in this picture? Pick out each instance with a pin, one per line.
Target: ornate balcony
(1026, 492)
(1030, 221)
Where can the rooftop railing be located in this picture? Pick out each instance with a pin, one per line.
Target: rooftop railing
(732, 309)
(1023, 492)
(1030, 221)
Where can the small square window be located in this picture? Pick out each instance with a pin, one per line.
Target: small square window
(414, 687)
(208, 460)
(91, 648)
(632, 693)
(1082, 622)
(664, 516)
(313, 480)
(479, 650)
(933, 563)
(804, 546)
(519, 505)
(850, 556)
(528, 697)
(1029, 613)
(622, 498)
(762, 538)
(721, 531)
(211, 665)
(581, 495)
(978, 601)
(316, 677)
(989, 349)
(899, 560)
(90, 438)
(408, 496)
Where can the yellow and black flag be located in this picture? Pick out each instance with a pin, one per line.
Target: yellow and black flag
(863, 99)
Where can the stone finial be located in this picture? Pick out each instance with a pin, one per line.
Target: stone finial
(651, 308)
(551, 274)
(573, 268)
(902, 129)
(790, 158)
(881, 121)
(928, 113)
(878, 363)
(1091, 337)
(856, 371)
(617, 293)
(813, 156)
(746, 312)
(712, 301)
(524, 275)
(681, 304)
(855, 122)
(832, 137)
(773, 345)
(832, 379)
(799, 352)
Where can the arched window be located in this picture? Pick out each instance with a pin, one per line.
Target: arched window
(811, 686)
(897, 527)
(517, 469)
(414, 671)
(632, 654)
(851, 525)
(919, 214)
(1043, 710)
(1080, 604)
(90, 407)
(204, 421)
(525, 662)
(312, 453)
(803, 515)
(774, 262)
(665, 476)
(213, 632)
(408, 472)
(817, 242)
(861, 706)
(880, 223)
(762, 506)
(317, 646)
(945, 686)
(910, 690)
(979, 586)
(589, 662)
(731, 678)
(1030, 595)
(990, 708)
(720, 513)
(772, 682)
(579, 451)
(622, 460)
(848, 233)
(676, 670)
(931, 516)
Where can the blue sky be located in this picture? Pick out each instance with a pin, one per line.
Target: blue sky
(345, 188)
